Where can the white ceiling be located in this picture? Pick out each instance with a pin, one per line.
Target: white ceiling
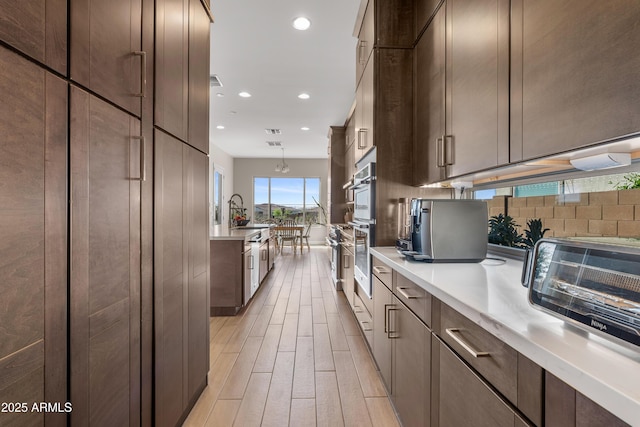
(254, 48)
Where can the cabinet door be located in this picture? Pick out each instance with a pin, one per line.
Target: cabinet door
(105, 50)
(461, 398)
(366, 40)
(170, 272)
(574, 74)
(429, 117)
(365, 137)
(424, 10)
(105, 263)
(477, 84)
(33, 247)
(197, 212)
(172, 67)
(38, 29)
(199, 51)
(347, 276)
(411, 374)
(248, 267)
(382, 302)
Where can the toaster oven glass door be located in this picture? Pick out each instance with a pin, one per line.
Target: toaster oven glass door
(597, 288)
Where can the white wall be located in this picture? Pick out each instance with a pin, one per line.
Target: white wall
(244, 170)
(222, 162)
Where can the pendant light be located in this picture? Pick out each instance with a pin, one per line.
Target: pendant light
(284, 167)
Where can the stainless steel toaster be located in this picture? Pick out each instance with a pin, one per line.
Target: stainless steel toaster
(591, 282)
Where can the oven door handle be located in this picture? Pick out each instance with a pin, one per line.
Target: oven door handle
(359, 225)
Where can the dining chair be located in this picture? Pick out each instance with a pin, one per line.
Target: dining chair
(288, 235)
(305, 236)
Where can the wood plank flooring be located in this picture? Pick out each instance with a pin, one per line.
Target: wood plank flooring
(293, 357)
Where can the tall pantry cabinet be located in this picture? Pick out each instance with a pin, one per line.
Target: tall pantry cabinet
(80, 309)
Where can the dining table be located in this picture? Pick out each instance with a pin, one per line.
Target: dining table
(296, 230)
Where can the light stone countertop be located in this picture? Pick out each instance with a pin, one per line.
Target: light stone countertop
(234, 234)
(490, 294)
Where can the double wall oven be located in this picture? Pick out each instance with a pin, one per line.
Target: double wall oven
(364, 222)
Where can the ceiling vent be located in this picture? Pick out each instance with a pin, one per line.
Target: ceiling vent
(273, 131)
(274, 143)
(215, 81)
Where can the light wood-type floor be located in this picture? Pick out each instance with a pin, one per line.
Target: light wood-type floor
(294, 357)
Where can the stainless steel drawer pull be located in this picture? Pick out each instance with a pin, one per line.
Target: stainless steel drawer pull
(381, 270)
(365, 328)
(402, 292)
(453, 333)
(143, 73)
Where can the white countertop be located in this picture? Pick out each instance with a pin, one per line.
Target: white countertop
(234, 234)
(490, 294)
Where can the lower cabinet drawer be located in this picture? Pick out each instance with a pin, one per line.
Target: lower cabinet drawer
(413, 296)
(492, 358)
(462, 398)
(364, 318)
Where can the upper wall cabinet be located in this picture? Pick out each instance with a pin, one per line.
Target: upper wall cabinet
(106, 55)
(574, 74)
(463, 56)
(199, 52)
(366, 40)
(182, 71)
(38, 28)
(172, 67)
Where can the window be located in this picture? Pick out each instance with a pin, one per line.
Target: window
(287, 198)
(217, 211)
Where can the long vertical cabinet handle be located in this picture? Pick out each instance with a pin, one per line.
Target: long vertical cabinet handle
(143, 73)
(362, 136)
(388, 309)
(440, 152)
(345, 259)
(143, 169)
(251, 264)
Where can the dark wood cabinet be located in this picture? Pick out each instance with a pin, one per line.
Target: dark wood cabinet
(182, 71)
(38, 29)
(565, 407)
(172, 68)
(364, 126)
(106, 50)
(462, 398)
(411, 367)
(347, 273)
(199, 52)
(336, 173)
(462, 90)
(381, 349)
(227, 284)
(33, 247)
(105, 151)
(366, 39)
(574, 73)
(402, 350)
(429, 76)
(181, 275)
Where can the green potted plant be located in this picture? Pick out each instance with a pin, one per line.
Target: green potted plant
(534, 232)
(503, 231)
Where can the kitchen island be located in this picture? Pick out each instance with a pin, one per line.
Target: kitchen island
(489, 295)
(240, 259)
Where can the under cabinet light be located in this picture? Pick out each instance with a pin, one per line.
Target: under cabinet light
(602, 161)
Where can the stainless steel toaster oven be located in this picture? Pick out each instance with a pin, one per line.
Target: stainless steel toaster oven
(592, 282)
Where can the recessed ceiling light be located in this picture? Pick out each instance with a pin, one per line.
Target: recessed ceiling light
(304, 96)
(301, 23)
(220, 127)
(245, 94)
(304, 128)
